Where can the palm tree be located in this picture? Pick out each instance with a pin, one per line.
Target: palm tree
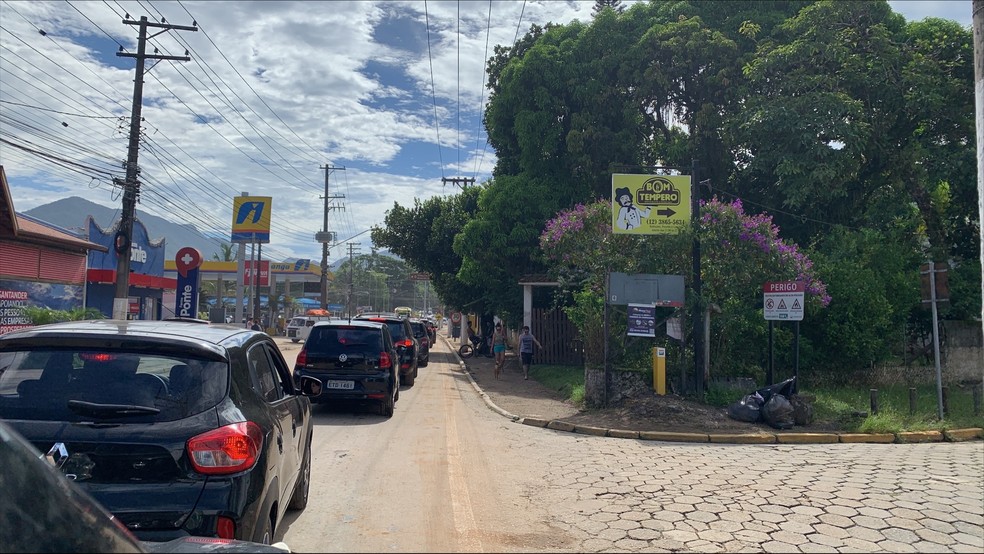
(228, 255)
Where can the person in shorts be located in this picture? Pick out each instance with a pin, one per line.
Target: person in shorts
(499, 347)
(526, 342)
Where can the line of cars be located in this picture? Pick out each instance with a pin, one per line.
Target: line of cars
(365, 358)
(188, 429)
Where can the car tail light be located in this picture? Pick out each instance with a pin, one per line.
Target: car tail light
(385, 360)
(405, 342)
(301, 357)
(229, 449)
(226, 528)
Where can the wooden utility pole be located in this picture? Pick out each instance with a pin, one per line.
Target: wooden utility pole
(131, 186)
(325, 237)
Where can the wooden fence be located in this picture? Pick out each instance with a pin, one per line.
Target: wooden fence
(561, 343)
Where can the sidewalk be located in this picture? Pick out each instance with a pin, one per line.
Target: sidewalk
(530, 403)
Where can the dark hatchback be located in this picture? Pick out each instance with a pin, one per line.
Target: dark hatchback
(424, 341)
(406, 345)
(177, 428)
(354, 360)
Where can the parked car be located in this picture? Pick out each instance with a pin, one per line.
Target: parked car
(354, 360)
(422, 334)
(42, 510)
(177, 428)
(406, 345)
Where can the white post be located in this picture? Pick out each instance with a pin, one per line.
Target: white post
(528, 306)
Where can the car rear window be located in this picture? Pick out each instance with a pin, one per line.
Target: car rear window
(419, 329)
(85, 385)
(331, 341)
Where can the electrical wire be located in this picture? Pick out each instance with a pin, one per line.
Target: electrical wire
(430, 60)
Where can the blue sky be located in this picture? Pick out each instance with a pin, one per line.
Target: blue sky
(274, 91)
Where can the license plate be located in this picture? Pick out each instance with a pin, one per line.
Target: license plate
(347, 385)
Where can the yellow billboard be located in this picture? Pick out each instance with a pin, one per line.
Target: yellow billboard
(251, 219)
(650, 204)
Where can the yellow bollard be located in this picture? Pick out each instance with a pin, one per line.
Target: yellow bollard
(659, 370)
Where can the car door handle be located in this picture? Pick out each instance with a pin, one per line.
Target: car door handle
(293, 427)
(280, 443)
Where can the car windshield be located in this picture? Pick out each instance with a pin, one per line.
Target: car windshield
(85, 385)
(296, 322)
(332, 341)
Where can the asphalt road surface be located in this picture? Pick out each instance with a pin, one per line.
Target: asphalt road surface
(447, 474)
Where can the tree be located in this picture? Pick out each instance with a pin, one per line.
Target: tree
(228, 254)
(740, 252)
(424, 237)
(601, 5)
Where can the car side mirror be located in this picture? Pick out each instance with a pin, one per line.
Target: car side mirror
(310, 386)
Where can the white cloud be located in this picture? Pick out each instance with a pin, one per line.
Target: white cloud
(274, 91)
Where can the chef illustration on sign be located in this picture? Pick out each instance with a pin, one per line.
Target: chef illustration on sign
(629, 216)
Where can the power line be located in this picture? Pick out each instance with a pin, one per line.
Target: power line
(430, 60)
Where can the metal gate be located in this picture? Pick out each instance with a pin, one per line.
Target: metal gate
(562, 345)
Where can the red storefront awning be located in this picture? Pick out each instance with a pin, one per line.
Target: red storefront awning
(108, 277)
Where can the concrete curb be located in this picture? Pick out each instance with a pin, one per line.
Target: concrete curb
(951, 435)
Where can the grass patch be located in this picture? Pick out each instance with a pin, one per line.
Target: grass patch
(850, 408)
(565, 379)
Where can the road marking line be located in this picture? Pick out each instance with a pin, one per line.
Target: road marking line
(461, 507)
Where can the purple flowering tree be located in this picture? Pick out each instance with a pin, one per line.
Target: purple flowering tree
(739, 253)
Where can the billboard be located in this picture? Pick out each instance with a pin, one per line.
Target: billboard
(650, 204)
(251, 219)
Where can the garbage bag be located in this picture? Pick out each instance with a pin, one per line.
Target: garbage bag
(749, 408)
(786, 388)
(778, 412)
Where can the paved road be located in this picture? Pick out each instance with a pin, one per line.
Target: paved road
(477, 482)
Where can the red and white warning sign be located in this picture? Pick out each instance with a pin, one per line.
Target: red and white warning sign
(783, 300)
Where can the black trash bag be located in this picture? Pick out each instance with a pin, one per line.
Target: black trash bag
(786, 388)
(749, 408)
(778, 412)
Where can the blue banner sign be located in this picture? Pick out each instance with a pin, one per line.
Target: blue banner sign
(187, 260)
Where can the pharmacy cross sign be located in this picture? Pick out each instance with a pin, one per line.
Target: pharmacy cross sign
(783, 300)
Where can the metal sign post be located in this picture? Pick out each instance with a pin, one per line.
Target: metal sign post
(783, 301)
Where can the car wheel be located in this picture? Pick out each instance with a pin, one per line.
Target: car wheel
(387, 405)
(264, 535)
(425, 362)
(299, 500)
(295, 340)
(408, 379)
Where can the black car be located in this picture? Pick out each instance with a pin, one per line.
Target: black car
(423, 336)
(406, 345)
(177, 428)
(44, 511)
(354, 360)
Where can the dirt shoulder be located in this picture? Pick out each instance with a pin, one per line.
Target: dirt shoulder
(644, 412)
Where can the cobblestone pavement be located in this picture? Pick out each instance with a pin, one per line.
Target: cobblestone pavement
(643, 496)
(629, 495)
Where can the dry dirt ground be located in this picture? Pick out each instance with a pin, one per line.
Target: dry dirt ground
(643, 412)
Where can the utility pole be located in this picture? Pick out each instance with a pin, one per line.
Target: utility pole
(351, 287)
(462, 182)
(325, 237)
(131, 187)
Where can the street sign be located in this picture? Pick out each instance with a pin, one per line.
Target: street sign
(456, 317)
(420, 276)
(784, 300)
(251, 219)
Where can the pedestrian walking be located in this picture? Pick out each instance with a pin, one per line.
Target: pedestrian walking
(526, 342)
(499, 347)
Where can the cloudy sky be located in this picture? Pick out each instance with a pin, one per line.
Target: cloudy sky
(275, 91)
